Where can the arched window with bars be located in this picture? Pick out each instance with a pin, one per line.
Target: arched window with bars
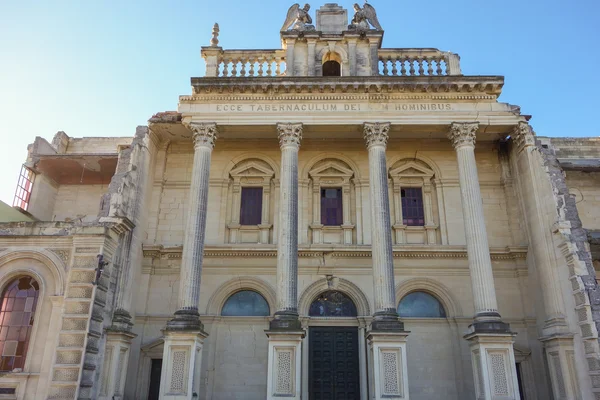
(17, 312)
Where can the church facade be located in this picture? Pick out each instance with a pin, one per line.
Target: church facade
(329, 220)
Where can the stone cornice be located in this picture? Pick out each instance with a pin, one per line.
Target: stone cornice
(405, 251)
(490, 85)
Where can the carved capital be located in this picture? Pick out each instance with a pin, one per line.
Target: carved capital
(463, 134)
(289, 134)
(376, 133)
(523, 136)
(204, 134)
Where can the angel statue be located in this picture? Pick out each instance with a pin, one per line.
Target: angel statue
(363, 17)
(298, 19)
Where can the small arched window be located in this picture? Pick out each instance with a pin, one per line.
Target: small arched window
(246, 303)
(421, 305)
(332, 68)
(19, 301)
(332, 304)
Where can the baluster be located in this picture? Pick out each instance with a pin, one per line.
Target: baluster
(438, 61)
(278, 62)
(402, 66)
(394, 68)
(261, 61)
(420, 64)
(270, 65)
(242, 66)
(412, 67)
(234, 63)
(429, 65)
(385, 68)
(251, 60)
(226, 67)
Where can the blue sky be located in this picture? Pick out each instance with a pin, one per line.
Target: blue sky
(100, 68)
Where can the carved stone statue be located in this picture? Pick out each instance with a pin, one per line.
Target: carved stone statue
(298, 19)
(363, 17)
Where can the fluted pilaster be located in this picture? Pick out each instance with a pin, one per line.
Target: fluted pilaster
(290, 136)
(376, 137)
(462, 136)
(187, 316)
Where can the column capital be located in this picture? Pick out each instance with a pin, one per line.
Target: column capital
(290, 134)
(463, 134)
(204, 134)
(523, 136)
(376, 133)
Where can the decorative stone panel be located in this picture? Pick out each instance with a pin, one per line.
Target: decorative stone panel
(71, 340)
(66, 375)
(283, 371)
(391, 373)
(64, 357)
(72, 324)
(178, 374)
(80, 292)
(77, 307)
(62, 392)
(499, 374)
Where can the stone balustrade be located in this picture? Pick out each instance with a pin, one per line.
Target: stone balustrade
(249, 63)
(417, 62)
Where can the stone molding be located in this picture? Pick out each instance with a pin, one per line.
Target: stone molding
(433, 287)
(203, 134)
(340, 284)
(290, 134)
(227, 289)
(424, 252)
(376, 133)
(485, 85)
(523, 136)
(463, 134)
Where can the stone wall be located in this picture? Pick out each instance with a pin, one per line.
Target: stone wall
(78, 202)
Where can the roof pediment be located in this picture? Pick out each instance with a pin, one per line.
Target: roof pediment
(331, 169)
(412, 168)
(252, 169)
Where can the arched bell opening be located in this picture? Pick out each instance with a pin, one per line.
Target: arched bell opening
(332, 64)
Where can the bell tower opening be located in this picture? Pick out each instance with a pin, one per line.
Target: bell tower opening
(332, 68)
(332, 64)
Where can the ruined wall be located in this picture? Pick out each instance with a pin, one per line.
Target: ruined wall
(43, 198)
(78, 202)
(97, 144)
(585, 186)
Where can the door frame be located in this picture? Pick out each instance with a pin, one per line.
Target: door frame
(348, 322)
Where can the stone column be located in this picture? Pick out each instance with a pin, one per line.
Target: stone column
(386, 336)
(490, 339)
(285, 331)
(131, 222)
(556, 335)
(184, 336)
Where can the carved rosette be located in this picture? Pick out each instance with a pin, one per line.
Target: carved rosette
(523, 136)
(376, 133)
(204, 134)
(289, 134)
(463, 133)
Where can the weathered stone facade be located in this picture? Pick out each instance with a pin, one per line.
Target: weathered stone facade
(139, 243)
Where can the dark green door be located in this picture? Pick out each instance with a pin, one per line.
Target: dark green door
(333, 363)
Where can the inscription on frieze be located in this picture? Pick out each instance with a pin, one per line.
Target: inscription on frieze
(331, 107)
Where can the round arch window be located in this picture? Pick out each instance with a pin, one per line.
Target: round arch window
(246, 303)
(332, 304)
(19, 301)
(421, 305)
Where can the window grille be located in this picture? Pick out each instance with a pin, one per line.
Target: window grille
(412, 207)
(24, 186)
(331, 207)
(251, 206)
(17, 310)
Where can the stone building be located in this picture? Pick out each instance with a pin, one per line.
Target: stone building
(333, 219)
